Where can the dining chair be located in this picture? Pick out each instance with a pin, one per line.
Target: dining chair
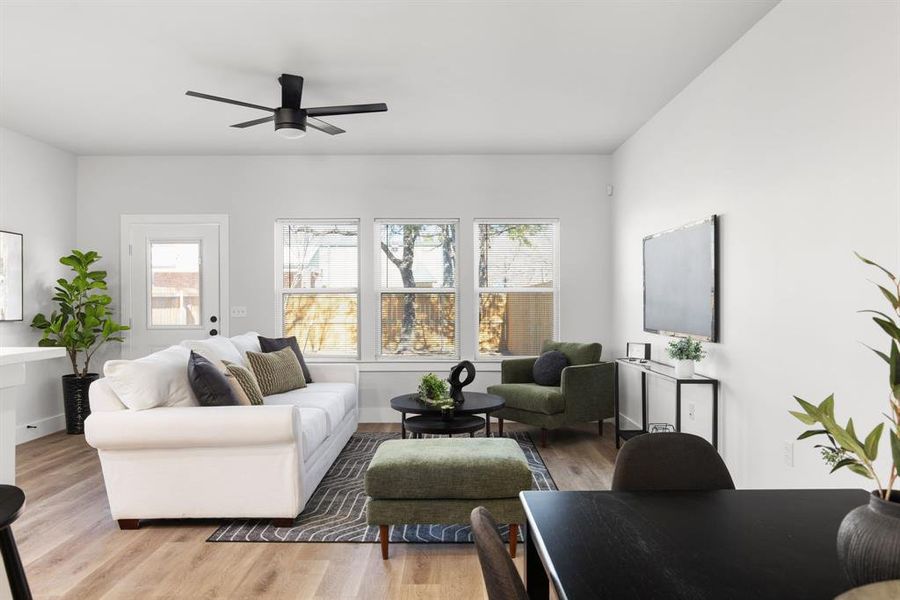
(669, 461)
(497, 567)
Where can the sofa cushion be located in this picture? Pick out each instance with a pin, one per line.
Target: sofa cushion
(530, 397)
(447, 468)
(346, 391)
(313, 430)
(275, 344)
(276, 372)
(246, 342)
(158, 379)
(331, 403)
(208, 382)
(578, 354)
(548, 367)
(216, 349)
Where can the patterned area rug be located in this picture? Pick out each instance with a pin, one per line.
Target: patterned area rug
(337, 510)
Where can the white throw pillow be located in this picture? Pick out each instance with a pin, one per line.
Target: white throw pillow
(160, 379)
(246, 342)
(216, 349)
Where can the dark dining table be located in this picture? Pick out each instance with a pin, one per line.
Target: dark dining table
(730, 544)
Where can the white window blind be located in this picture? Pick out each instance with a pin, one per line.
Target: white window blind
(517, 286)
(417, 288)
(319, 285)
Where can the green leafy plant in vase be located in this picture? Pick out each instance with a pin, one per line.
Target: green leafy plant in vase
(869, 536)
(434, 392)
(685, 352)
(81, 324)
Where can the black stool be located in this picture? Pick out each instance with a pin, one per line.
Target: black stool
(12, 501)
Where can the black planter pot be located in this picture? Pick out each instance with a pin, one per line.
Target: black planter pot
(868, 541)
(75, 400)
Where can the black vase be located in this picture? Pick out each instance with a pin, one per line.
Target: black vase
(75, 400)
(868, 541)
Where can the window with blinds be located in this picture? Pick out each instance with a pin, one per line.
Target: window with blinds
(517, 286)
(319, 283)
(417, 288)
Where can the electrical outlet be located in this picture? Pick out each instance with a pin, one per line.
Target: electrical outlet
(692, 411)
(238, 311)
(789, 453)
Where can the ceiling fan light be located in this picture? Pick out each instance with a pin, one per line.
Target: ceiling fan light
(291, 133)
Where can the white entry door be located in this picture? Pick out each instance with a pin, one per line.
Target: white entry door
(172, 284)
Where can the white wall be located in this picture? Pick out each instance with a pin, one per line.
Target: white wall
(254, 191)
(791, 136)
(37, 199)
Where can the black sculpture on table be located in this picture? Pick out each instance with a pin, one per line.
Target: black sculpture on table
(456, 385)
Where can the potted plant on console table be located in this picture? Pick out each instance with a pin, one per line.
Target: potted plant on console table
(868, 541)
(685, 352)
(82, 325)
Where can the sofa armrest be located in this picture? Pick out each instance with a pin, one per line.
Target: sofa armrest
(102, 397)
(589, 390)
(517, 370)
(334, 373)
(193, 427)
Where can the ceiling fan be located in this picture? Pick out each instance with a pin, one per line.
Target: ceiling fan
(291, 121)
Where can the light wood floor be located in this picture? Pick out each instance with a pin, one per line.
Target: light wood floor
(72, 549)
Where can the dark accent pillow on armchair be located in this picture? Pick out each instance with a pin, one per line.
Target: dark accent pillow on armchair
(548, 368)
(276, 344)
(209, 383)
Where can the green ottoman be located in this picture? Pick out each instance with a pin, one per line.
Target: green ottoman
(442, 480)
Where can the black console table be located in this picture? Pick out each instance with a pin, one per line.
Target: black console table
(658, 369)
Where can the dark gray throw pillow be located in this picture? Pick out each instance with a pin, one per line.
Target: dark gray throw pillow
(276, 344)
(209, 383)
(548, 368)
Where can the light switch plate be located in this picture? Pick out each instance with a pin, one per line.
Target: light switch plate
(238, 312)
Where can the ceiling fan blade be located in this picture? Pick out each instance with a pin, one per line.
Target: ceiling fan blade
(291, 90)
(349, 109)
(227, 101)
(323, 126)
(254, 122)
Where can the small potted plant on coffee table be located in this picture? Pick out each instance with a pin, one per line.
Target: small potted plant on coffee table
(435, 393)
(685, 352)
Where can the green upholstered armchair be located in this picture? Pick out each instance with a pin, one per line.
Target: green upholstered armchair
(585, 393)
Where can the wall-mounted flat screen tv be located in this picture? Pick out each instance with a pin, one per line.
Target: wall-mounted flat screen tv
(681, 280)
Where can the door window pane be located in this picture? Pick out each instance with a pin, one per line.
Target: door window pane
(174, 284)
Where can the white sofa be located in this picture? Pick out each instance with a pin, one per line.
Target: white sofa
(188, 461)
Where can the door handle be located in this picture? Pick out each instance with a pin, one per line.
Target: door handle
(213, 332)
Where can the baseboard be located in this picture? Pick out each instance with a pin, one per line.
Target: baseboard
(40, 428)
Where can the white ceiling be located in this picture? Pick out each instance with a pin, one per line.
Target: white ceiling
(458, 77)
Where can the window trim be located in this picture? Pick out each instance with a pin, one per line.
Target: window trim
(281, 291)
(379, 290)
(478, 290)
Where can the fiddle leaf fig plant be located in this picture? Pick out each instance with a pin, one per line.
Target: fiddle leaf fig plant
(83, 321)
(843, 447)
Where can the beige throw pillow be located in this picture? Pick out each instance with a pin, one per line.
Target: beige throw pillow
(276, 372)
(247, 382)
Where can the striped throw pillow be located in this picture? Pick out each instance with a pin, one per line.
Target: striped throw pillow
(247, 381)
(276, 372)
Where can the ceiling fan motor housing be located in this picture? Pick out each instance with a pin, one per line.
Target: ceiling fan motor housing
(290, 118)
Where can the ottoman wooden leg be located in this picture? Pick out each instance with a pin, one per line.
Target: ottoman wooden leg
(383, 536)
(513, 538)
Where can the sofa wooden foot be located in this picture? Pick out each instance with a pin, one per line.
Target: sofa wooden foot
(288, 522)
(513, 538)
(600, 427)
(500, 427)
(383, 535)
(129, 523)
(543, 438)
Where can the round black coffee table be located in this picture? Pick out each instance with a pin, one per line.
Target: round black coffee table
(438, 425)
(476, 403)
